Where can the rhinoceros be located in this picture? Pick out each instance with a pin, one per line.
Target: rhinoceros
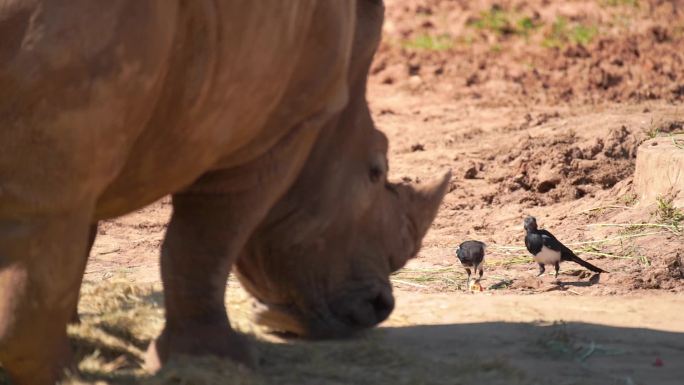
(252, 115)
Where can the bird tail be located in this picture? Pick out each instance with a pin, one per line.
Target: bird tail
(570, 256)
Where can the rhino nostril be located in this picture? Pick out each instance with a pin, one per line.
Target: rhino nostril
(367, 311)
(383, 304)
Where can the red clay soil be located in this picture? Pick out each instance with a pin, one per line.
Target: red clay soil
(542, 120)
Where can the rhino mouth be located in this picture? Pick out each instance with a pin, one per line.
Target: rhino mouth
(279, 319)
(341, 317)
(288, 321)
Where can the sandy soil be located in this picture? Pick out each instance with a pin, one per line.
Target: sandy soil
(538, 107)
(548, 338)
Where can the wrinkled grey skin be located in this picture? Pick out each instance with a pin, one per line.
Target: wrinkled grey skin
(251, 114)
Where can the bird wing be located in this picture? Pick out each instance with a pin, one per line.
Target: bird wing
(459, 254)
(566, 254)
(550, 241)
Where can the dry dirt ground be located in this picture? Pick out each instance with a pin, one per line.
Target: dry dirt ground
(538, 107)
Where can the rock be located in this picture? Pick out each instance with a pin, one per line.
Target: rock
(471, 173)
(531, 282)
(417, 147)
(392, 74)
(415, 81)
(389, 27)
(660, 170)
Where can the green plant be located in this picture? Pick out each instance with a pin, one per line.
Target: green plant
(495, 20)
(563, 33)
(429, 43)
(525, 25)
(557, 35)
(653, 129)
(666, 213)
(653, 132)
(629, 199)
(466, 39)
(499, 21)
(665, 127)
(619, 3)
(583, 34)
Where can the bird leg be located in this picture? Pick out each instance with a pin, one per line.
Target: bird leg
(541, 270)
(479, 278)
(557, 267)
(468, 281)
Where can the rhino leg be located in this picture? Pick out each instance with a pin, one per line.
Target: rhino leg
(201, 243)
(41, 261)
(75, 319)
(210, 224)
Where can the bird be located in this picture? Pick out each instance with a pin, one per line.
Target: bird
(471, 254)
(547, 250)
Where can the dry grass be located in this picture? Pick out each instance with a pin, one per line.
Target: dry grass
(617, 247)
(119, 319)
(560, 342)
(454, 278)
(450, 278)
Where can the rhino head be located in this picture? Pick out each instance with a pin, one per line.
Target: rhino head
(319, 264)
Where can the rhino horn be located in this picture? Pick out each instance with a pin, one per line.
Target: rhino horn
(425, 203)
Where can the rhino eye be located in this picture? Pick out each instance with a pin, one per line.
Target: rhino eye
(375, 174)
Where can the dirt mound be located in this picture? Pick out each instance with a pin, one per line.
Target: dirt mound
(546, 170)
(666, 274)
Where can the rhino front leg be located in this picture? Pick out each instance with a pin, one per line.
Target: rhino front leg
(41, 259)
(202, 241)
(75, 319)
(211, 222)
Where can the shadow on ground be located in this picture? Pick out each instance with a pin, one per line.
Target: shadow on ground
(119, 319)
(485, 353)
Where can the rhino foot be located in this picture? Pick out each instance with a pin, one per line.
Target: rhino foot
(220, 341)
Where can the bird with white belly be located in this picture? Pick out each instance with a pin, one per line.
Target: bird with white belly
(547, 250)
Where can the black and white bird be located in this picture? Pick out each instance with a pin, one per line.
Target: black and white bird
(471, 254)
(547, 250)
